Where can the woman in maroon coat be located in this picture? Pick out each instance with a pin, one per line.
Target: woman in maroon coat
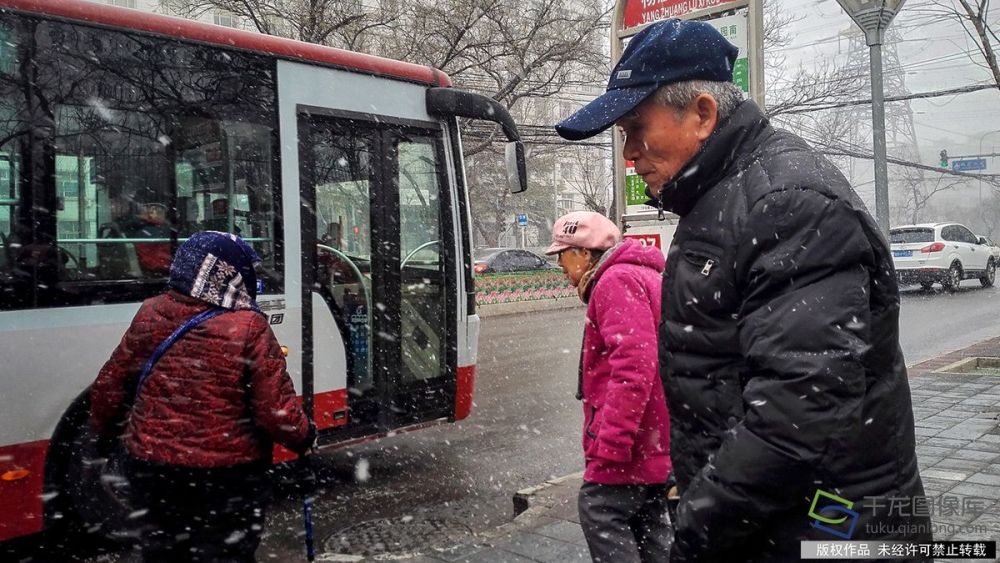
(201, 427)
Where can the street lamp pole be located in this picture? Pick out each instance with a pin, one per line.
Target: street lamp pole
(980, 155)
(878, 140)
(874, 17)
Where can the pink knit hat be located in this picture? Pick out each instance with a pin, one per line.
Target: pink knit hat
(583, 229)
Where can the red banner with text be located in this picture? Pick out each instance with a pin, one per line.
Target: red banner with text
(638, 12)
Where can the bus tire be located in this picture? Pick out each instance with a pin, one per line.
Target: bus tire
(85, 505)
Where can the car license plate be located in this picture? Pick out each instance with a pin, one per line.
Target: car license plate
(902, 253)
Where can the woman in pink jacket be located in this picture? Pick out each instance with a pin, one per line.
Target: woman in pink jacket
(626, 435)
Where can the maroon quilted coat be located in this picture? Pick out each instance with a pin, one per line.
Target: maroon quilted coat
(218, 397)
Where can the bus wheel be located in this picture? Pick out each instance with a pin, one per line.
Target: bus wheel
(93, 494)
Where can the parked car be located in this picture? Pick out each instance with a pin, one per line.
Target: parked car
(488, 260)
(944, 253)
(994, 249)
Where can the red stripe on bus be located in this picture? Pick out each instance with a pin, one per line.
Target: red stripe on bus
(330, 408)
(330, 411)
(126, 19)
(22, 476)
(464, 390)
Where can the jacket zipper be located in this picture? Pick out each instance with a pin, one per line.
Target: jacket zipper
(708, 267)
(593, 414)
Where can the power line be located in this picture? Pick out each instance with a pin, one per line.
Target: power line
(917, 96)
(847, 149)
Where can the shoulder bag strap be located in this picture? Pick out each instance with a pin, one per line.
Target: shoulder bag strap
(166, 344)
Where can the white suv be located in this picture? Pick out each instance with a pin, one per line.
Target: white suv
(941, 252)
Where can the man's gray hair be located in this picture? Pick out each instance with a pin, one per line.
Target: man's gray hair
(680, 94)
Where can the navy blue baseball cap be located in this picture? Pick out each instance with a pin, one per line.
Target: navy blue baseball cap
(666, 52)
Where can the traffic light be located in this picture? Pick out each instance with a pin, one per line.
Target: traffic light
(944, 158)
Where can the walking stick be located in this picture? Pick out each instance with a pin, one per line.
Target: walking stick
(307, 514)
(307, 480)
(305, 464)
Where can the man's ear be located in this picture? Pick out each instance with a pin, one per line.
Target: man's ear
(707, 111)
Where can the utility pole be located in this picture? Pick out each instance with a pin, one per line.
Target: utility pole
(981, 139)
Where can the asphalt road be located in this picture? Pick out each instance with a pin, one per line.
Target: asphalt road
(442, 485)
(932, 323)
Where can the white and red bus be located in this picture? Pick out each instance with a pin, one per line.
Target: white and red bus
(123, 132)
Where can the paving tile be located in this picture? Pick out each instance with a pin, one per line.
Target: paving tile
(984, 446)
(950, 443)
(989, 521)
(975, 455)
(493, 555)
(566, 510)
(968, 430)
(946, 474)
(984, 479)
(979, 402)
(953, 414)
(953, 521)
(420, 559)
(960, 464)
(457, 553)
(541, 548)
(925, 462)
(564, 531)
(936, 488)
(991, 469)
(934, 450)
(976, 490)
(938, 422)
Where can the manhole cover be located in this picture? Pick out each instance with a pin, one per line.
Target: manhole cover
(407, 535)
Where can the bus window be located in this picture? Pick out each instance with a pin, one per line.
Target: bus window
(132, 156)
(14, 281)
(423, 302)
(341, 170)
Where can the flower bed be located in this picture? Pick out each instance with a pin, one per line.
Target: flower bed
(522, 286)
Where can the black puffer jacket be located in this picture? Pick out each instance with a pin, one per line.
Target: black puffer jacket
(779, 353)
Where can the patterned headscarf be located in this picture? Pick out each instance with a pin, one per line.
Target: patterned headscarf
(217, 268)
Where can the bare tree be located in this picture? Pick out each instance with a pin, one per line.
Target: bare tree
(974, 16)
(789, 90)
(918, 194)
(593, 183)
(327, 22)
(989, 215)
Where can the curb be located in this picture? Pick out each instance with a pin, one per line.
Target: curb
(531, 498)
(519, 307)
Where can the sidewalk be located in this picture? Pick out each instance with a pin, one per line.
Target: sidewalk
(958, 448)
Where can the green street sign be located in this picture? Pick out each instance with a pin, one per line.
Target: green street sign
(741, 74)
(635, 190)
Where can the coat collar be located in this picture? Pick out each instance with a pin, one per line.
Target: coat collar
(732, 142)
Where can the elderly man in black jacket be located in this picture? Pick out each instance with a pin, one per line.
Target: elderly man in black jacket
(790, 409)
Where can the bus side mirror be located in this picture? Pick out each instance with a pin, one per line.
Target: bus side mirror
(450, 102)
(517, 175)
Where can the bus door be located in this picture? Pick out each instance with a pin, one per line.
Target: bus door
(376, 216)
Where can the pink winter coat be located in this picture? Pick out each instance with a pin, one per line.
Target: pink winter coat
(626, 435)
